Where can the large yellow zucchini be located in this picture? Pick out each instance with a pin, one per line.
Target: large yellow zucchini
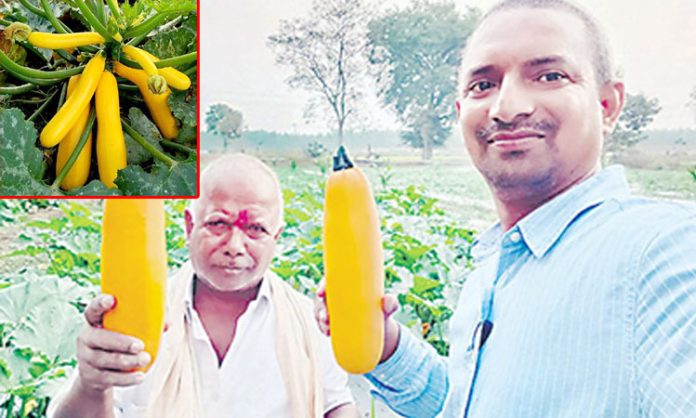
(354, 269)
(111, 144)
(79, 172)
(134, 268)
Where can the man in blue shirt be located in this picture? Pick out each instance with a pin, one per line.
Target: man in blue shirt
(583, 303)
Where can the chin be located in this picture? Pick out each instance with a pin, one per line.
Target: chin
(525, 178)
(231, 282)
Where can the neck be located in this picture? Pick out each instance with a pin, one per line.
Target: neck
(513, 205)
(226, 300)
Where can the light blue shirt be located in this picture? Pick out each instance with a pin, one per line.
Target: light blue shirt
(592, 298)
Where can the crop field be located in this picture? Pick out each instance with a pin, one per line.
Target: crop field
(430, 212)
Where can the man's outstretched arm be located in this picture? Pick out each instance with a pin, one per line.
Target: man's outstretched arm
(411, 377)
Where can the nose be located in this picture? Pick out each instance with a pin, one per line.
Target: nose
(512, 104)
(234, 245)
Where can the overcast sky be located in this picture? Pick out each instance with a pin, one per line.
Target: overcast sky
(654, 42)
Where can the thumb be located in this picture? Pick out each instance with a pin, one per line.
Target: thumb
(389, 305)
(94, 313)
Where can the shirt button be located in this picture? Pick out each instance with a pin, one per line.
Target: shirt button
(515, 237)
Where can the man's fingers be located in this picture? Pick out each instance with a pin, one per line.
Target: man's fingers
(96, 309)
(390, 304)
(102, 339)
(113, 362)
(102, 379)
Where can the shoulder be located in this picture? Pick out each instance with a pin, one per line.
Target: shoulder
(663, 237)
(643, 220)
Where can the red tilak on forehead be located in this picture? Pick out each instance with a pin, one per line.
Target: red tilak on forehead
(242, 219)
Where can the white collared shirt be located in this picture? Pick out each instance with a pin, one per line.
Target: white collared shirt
(248, 383)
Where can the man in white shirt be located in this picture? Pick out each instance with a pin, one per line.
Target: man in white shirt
(239, 341)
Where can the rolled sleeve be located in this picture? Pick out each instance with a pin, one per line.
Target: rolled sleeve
(413, 381)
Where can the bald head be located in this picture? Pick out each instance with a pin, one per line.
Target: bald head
(239, 174)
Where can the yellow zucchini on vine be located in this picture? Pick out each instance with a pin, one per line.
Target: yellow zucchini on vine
(77, 176)
(64, 40)
(66, 117)
(111, 145)
(156, 103)
(354, 270)
(134, 268)
(155, 82)
(142, 58)
(174, 77)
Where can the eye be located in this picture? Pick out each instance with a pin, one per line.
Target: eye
(258, 228)
(257, 231)
(217, 226)
(480, 86)
(551, 77)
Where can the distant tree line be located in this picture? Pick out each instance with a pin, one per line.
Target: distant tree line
(411, 54)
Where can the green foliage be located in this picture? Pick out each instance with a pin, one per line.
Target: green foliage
(178, 6)
(179, 40)
(639, 111)
(21, 162)
(41, 304)
(315, 149)
(136, 154)
(138, 11)
(177, 180)
(415, 53)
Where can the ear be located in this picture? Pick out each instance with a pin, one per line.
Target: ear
(459, 108)
(280, 231)
(188, 217)
(611, 97)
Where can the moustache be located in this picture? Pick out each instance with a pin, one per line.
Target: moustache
(544, 126)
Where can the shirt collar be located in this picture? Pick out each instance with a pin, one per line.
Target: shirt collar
(542, 228)
(264, 294)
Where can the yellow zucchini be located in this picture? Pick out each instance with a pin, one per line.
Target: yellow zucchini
(77, 176)
(66, 117)
(64, 40)
(134, 268)
(142, 58)
(157, 103)
(111, 145)
(354, 271)
(174, 77)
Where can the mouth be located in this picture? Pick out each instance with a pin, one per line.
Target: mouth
(515, 140)
(231, 268)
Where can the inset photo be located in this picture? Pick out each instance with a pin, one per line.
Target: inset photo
(98, 98)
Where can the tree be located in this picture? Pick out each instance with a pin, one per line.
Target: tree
(326, 52)
(224, 121)
(639, 111)
(415, 54)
